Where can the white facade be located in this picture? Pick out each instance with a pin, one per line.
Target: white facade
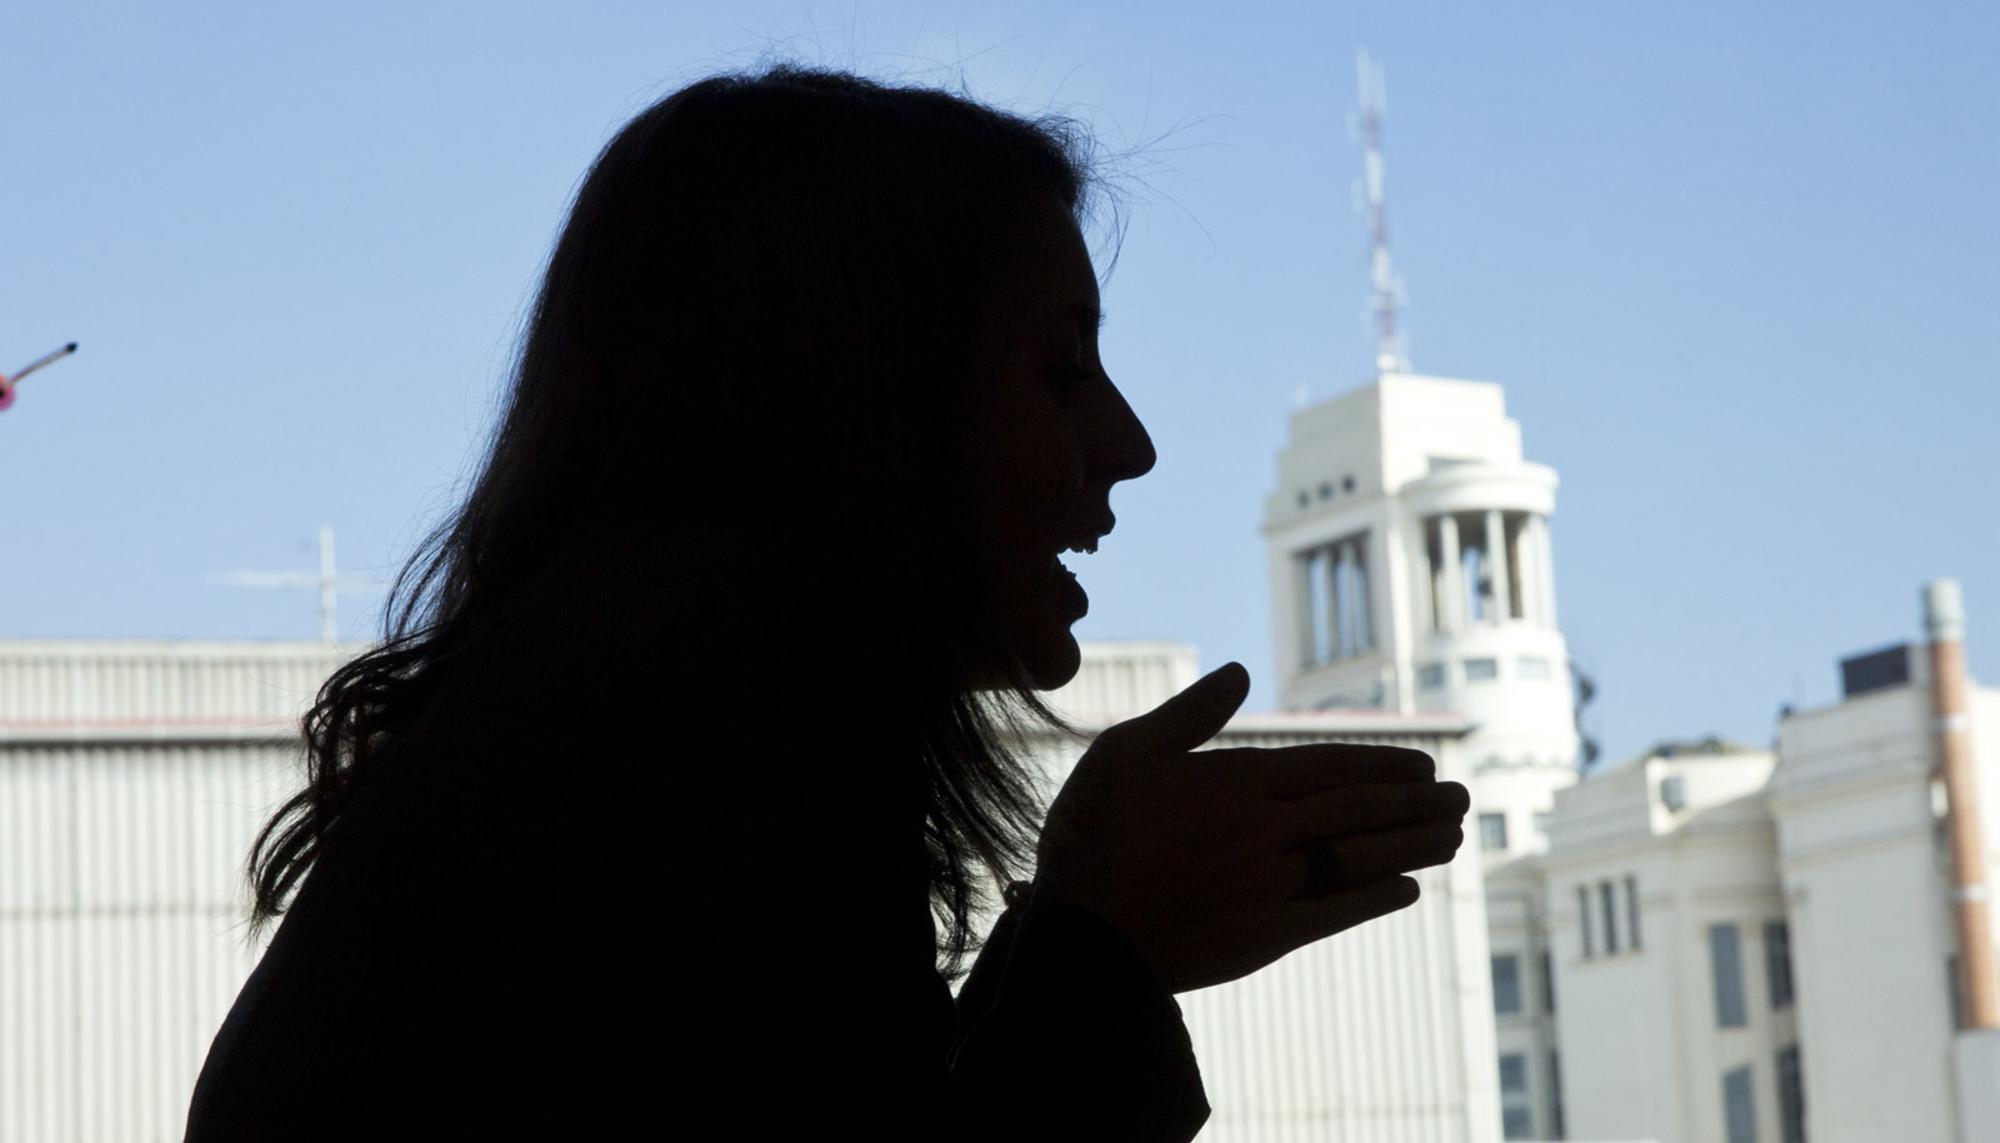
(133, 776)
(1827, 999)
(1525, 1045)
(1653, 866)
(1861, 848)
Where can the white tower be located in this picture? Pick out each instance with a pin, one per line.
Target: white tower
(1411, 572)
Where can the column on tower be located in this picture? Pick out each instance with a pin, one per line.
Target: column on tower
(1452, 595)
(1548, 570)
(1426, 563)
(1302, 608)
(1496, 566)
(1515, 525)
(1361, 621)
(1528, 578)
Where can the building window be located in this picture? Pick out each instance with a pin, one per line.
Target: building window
(1739, 1112)
(1304, 499)
(1583, 919)
(1506, 984)
(1337, 600)
(1481, 670)
(1347, 484)
(1517, 1119)
(1555, 1095)
(1791, 1096)
(1609, 899)
(1725, 960)
(1492, 832)
(1532, 667)
(1548, 983)
(1632, 910)
(1778, 962)
(1430, 676)
(1326, 492)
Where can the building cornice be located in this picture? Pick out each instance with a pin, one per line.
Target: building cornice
(115, 732)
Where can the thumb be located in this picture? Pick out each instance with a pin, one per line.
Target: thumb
(1189, 718)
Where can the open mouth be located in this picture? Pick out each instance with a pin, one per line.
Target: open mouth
(1072, 547)
(1067, 559)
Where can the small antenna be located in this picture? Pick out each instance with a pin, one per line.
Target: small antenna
(1389, 354)
(7, 383)
(326, 580)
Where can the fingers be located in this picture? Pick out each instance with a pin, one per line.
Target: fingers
(1296, 771)
(1362, 809)
(1371, 856)
(1303, 922)
(1186, 720)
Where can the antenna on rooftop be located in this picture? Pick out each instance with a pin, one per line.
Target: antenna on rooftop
(1387, 289)
(326, 580)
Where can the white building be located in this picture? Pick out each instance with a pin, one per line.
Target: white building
(1865, 824)
(1665, 929)
(1750, 946)
(1411, 573)
(1707, 943)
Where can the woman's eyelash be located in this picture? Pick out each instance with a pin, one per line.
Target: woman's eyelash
(1070, 375)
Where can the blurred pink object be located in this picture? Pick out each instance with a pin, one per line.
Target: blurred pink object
(8, 385)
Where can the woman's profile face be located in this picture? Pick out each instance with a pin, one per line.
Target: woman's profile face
(1050, 435)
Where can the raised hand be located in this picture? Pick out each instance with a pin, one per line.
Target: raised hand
(1198, 855)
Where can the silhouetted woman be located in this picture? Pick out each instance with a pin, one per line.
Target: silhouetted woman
(704, 709)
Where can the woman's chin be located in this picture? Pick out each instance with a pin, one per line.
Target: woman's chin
(1054, 661)
(1049, 661)
(1037, 630)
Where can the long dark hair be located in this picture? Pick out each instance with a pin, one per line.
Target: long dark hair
(793, 256)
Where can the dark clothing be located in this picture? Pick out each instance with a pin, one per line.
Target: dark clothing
(604, 884)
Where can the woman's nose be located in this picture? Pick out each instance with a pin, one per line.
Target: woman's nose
(1126, 449)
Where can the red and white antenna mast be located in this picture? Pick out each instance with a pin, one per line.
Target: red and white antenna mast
(1388, 291)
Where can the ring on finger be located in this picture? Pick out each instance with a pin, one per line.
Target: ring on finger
(1324, 872)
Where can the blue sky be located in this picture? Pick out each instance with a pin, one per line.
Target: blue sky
(1733, 264)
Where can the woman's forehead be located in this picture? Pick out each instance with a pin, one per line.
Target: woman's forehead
(1050, 276)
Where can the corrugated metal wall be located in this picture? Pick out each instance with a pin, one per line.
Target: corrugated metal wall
(74, 686)
(132, 778)
(1118, 680)
(1355, 1038)
(1361, 1037)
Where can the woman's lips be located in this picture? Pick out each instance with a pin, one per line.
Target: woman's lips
(1071, 590)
